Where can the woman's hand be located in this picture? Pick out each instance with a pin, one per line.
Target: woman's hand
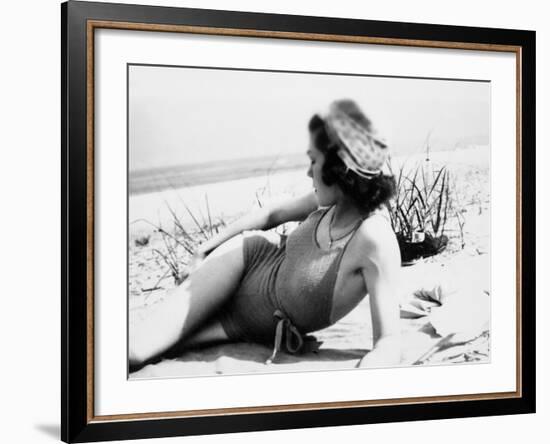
(197, 258)
(380, 269)
(386, 353)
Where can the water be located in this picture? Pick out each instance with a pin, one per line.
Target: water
(220, 192)
(180, 176)
(215, 201)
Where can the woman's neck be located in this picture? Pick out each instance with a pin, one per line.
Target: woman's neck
(345, 213)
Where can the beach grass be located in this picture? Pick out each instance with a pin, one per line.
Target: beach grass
(424, 204)
(436, 199)
(441, 197)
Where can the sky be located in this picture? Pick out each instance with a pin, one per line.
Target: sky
(187, 115)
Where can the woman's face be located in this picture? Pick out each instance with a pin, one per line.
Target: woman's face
(326, 195)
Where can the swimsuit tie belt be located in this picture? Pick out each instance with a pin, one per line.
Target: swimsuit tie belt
(293, 338)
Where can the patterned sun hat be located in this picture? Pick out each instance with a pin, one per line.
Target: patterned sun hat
(359, 146)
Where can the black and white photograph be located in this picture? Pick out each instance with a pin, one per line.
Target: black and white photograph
(283, 221)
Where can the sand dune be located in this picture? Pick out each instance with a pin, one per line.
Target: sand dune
(444, 335)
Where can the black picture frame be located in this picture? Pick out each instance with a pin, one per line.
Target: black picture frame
(78, 423)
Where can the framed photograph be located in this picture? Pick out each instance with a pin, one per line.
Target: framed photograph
(275, 221)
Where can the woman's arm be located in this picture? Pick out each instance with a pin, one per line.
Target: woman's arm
(381, 274)
(295, 209)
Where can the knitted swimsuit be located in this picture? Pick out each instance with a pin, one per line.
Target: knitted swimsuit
(291, 281)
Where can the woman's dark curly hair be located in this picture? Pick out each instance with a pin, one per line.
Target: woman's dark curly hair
(368, 194)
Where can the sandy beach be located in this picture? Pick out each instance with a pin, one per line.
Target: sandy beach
(456, 330)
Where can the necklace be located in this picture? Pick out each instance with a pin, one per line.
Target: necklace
(330, 239)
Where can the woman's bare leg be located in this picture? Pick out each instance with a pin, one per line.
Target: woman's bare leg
(211, 333)
(182, 310)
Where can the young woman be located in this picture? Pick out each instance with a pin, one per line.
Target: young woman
(250, 285)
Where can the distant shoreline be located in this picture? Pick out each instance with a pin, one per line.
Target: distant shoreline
(159, 179)
(182, 176)
(255, 183)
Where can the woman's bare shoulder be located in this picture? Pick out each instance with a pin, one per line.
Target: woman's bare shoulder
(376, 240)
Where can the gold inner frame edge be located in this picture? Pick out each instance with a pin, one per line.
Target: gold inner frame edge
(97, 24)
